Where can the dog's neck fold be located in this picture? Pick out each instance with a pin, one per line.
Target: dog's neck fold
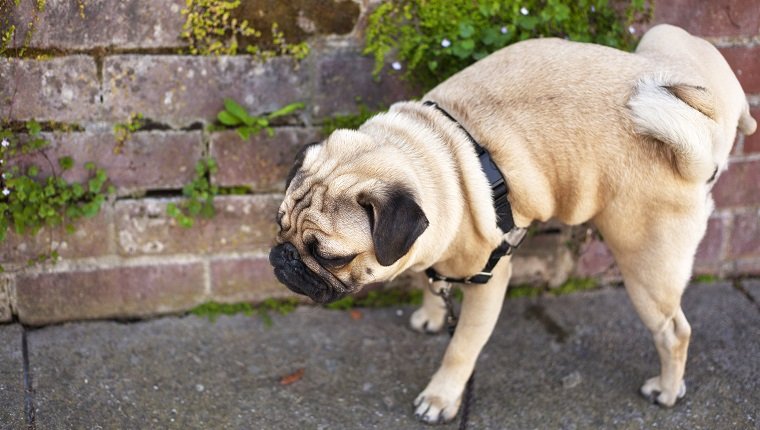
(454, 193)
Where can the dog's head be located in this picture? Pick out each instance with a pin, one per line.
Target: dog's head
(350, 216)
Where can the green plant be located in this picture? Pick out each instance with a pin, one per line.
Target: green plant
(348, 121)
(235, 116)
(199, 196)
(123, 131)
(29, 202)
(433, 39)
(211, 29)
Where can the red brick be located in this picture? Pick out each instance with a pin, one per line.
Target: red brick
(241, 224)
(100, 24)
(92, 238)
(246, 280)
(745, 62)
(344, 74)
(709, 251)
(109, 293)
(64, 89)
(145, 161)
(710, 17)
(261, 162)
(739, 186)
(747, 267)
(182, 90)
(745, 235)
(752, 142)
(6, 313)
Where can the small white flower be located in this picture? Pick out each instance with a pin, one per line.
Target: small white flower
(524, 10)
(632, 29)
(396, 65)
(504, 30)
(6, 191)
(3, 175)
(445, 43)
(5, 143)
(593, 8)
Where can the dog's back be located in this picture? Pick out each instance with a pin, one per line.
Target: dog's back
(607, 119)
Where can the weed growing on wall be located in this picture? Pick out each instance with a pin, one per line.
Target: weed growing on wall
(199, 196)
(29, 202)
(123, 131)
(235, 116)
(433, 39)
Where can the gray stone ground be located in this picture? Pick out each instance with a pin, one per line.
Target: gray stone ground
(569, 362)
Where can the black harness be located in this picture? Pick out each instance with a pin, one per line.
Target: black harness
(504, 218)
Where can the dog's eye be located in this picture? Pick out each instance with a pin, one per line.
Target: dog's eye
(333, 262)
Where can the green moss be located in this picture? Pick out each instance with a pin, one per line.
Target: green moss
(433, 39)
(213, 310)
(574, 285)
(518, 291)
(379, 299)
(704, 279)
(211, 28)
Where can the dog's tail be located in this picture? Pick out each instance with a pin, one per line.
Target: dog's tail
(683, 117)
(747, 124)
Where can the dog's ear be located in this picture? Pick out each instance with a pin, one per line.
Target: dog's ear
(396, 221)
(298, 163)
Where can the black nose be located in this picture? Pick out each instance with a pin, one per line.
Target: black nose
(290, 253)
(283, 254)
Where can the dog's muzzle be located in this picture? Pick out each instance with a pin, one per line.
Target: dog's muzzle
(291, 271)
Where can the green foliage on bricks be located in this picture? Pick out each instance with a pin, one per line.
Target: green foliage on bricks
(29, 202)
(237, 117)
(433, 39)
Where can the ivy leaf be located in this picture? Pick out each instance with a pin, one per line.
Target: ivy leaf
(286, 110)
(66, 163)
(33, 127)
(238, 111)
(244, 132)
(464, 48)
(228, 119)
(466, 30)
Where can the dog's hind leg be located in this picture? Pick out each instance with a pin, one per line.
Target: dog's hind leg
(656, 259)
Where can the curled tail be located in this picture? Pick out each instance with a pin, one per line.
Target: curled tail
(747, 124)
(683, 117)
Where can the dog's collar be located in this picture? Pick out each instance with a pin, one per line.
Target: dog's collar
(504, 218)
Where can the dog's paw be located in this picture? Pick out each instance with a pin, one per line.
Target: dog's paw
(653, 390)
(428, 319)
(436, 409)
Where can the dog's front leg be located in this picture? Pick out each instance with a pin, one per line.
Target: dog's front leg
(440, 400)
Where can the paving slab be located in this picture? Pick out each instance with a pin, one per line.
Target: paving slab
(570, 362)
(11, 378)
(752, 287)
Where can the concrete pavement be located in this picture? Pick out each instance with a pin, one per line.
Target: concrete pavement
(568, 362)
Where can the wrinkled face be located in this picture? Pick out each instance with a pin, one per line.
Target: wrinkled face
(344, 222)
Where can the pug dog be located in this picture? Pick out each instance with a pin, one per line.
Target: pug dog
(632, 142)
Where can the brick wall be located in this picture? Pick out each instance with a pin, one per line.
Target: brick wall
(114, 58)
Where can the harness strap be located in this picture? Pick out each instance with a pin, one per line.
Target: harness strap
(504, 219)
